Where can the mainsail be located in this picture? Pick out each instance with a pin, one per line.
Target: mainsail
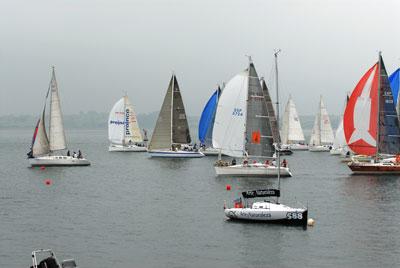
(322, 133)
(56, 128)
(206, 123)
(132, 130)
(291, 127)
(271, 112)
(370, 120)
(242, 124)
(394, 79)
(172, 126)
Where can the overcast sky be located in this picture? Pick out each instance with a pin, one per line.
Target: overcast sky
(102, 48)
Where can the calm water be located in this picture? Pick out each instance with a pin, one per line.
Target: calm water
(127, 210)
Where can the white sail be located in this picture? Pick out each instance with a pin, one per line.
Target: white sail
(322, 133)
(340, 140)
(116, 123)
(41, 143)
(291, 126)
(56, 129)
(229, 126)
(132, 130)
(326, 127)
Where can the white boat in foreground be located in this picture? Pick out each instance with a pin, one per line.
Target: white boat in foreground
(266, 211)
(46, 149)
(171, 135)
(123, 128)
(50, 261)
(322, 134)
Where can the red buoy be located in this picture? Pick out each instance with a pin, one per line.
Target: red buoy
(42, 168)
(47, 181)
(228, 187)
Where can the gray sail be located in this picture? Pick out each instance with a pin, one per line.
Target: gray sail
(162, 134)
(40, 145)
(388, 129)
(56, 129)
(259, 139)
(271, 112)
(180, 127)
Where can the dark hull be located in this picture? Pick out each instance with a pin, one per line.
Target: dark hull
(371, 168)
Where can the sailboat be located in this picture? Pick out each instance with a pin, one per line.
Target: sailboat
(46, 149)
(272, 120)
(291, 132)
(267, 211)
(371, 125)
(50, 261)
(242, 128)
(123, 128)
(171, 136)
(394, 80)
(322, 133)
(206, 124)
(339, 146)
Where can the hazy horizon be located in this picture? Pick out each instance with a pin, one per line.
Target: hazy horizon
(102, 49)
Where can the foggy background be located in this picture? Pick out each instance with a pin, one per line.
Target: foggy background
(103, 48)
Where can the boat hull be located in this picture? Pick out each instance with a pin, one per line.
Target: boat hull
(374, 168)
(320, 148)
(210, 151)
(297, 147)
(131, 148)
(291, 216)
(252, 170)
(336, 151)
(55, 160)
(175, 154)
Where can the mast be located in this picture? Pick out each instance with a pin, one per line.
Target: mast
(172, 106)
(319, 120)
(125, 119)
(247, 103)
(277, 122)
(378, 128)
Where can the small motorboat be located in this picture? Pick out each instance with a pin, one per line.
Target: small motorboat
(284, 150)
(50, 261)
(266, 211)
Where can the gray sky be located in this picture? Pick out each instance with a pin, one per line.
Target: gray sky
(102, 48)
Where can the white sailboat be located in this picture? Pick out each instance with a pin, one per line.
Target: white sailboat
(322, 133)
(242, 128)
(46, 149)
(291, 132)
(267, 211)
(171, 135)
(123, 128)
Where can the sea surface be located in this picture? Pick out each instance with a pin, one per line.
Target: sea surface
(127, 210)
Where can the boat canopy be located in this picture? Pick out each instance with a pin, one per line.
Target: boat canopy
(261, 193)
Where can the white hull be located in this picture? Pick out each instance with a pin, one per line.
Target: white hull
(297, 147)
(129, 148)
(269, 212)
(336, 151)
(210, 151)
(58, 160)
(257, 169)
(175, 154)
(319, 148)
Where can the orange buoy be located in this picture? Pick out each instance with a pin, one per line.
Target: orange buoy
(228, 187)
(42, 168)
(47, 181)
